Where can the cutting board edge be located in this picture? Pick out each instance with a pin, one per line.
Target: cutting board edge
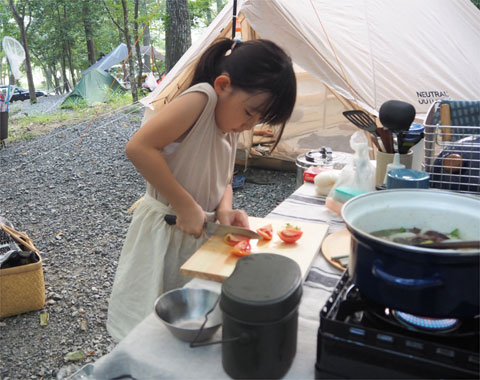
(205, 276)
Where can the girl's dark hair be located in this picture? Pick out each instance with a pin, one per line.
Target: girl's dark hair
(253, 66)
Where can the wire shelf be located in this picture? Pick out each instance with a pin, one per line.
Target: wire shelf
(452, 156)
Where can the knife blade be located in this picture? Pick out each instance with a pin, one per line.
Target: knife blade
(212, 228)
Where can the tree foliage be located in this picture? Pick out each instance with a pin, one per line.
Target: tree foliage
(65, 37)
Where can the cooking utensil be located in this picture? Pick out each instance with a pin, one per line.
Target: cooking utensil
(397, 116)
(430, 282)
(183, 311)
(407, 144)
(363, 121)
(212, 228)
(213, 260)
(457, 244)
(260, 302)
(387, 139)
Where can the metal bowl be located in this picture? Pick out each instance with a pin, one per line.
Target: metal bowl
(183, 312)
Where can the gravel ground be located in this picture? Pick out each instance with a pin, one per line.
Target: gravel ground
(44, 104)
(70, 190)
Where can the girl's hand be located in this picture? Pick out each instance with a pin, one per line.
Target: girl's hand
(191, 221)
(237, 218)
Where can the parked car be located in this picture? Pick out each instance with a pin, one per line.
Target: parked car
(19, 93)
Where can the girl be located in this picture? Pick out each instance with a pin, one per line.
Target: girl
(186, 153)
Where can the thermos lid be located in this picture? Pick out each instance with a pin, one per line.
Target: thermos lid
(262, 288)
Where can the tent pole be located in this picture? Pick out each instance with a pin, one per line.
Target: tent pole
(234, 19)
(153, 58)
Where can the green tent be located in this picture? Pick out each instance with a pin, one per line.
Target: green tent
(93, 87)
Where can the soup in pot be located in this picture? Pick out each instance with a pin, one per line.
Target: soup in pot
(415, 236)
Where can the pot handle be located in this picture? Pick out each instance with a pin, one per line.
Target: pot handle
(417, 283)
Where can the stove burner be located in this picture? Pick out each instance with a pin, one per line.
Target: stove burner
(386, 344)
(426, 323)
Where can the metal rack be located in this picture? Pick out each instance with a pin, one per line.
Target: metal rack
(452, 152)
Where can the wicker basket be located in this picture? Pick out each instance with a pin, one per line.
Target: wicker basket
(22, 288)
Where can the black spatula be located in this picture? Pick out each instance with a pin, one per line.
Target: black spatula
(363, 121)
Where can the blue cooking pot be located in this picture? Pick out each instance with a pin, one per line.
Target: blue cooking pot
(427, 282)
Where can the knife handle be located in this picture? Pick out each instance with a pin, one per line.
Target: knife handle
(170, 219)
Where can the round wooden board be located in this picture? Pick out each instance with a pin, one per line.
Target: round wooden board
(335, 244)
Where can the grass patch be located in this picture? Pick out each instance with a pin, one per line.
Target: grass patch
(29, 127)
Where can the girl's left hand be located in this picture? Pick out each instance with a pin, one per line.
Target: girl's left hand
(237, 218)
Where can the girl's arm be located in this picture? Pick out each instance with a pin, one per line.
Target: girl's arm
(143, 149)
(226, 215)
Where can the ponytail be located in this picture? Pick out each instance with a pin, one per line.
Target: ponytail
(256, 66)
(209, 67)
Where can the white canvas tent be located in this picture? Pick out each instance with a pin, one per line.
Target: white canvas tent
(351, 54)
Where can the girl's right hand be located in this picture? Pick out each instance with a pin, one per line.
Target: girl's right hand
(191, 221)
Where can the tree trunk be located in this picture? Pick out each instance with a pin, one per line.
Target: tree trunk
(48, 78)
(66, 85)
(46, 71)
(137, 46)
(68, 49)
(23, 36)
(87, 25)
(146, 38)
(133, 84)
(70, 63)
(55, 80)
(178, 36)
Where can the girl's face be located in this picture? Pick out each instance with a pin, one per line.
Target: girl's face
(237, 110)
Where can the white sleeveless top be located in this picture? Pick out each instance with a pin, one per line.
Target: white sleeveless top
(203, 162)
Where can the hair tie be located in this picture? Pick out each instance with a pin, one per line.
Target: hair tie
(235, 43)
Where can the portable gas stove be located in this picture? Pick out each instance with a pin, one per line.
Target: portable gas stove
(358, 339)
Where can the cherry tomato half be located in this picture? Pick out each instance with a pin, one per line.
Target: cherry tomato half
(242, 248)
(266, 232)
(290, 234)
(233, 240)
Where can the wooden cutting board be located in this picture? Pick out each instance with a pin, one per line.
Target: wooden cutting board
(213, 260)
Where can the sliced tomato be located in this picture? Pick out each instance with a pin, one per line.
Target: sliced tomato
(242, 248)
(290, 234)
(233, 240)
(266, 232)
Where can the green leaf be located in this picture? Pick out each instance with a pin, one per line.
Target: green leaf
(75, 356)
(455, 233)
(44, 318)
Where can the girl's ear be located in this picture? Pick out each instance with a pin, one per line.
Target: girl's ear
(222, 84)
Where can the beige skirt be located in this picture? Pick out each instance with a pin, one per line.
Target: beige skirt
(149, 266)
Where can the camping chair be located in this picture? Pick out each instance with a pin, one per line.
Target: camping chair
(453, 113)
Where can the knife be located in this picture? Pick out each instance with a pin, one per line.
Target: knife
(212, 228)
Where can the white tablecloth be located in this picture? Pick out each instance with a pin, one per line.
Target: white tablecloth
(151, 352)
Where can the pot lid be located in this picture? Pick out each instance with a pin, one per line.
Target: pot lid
(262, 288)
